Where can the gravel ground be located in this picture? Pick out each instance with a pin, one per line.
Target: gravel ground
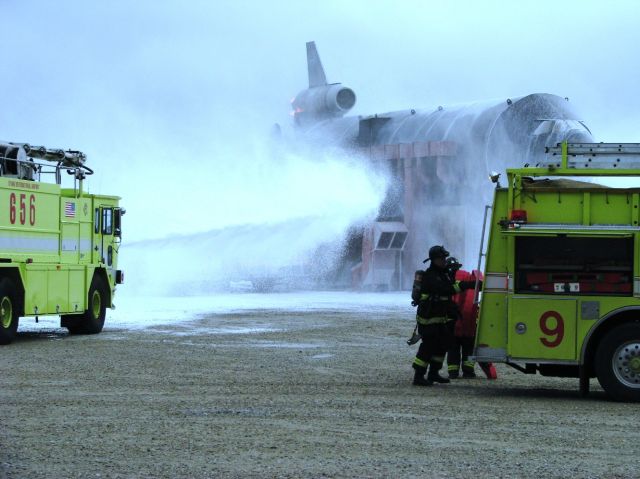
(303, 394)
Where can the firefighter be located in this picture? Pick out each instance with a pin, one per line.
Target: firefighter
(465, 327)
(432, 292)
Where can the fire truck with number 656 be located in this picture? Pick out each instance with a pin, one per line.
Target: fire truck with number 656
(58, 246)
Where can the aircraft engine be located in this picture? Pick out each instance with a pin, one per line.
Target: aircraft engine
(322, 102)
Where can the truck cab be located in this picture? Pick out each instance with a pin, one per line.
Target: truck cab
(561, 295)
(58, 246)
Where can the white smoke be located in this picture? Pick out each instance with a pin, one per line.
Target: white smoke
(249, 214)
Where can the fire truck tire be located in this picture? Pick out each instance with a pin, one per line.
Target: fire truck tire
(617, 362)
(92, 320)
(8, 311)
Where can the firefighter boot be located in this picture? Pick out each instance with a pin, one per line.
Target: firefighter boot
(468, 370)
(419, 379)
(454, 371)
(434, 374)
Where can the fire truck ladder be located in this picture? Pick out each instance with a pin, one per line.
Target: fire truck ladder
(580, 159)
(476, 292)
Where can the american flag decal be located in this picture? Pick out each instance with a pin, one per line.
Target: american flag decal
(69, 209)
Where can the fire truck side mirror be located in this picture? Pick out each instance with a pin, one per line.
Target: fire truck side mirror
(117, 217)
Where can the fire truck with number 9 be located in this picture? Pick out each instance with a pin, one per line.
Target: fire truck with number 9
(58, 246)
(561, 294)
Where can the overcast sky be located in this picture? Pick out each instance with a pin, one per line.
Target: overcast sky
(150, 90)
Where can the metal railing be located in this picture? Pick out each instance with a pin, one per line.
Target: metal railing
(18, 160)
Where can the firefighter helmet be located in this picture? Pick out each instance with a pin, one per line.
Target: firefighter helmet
(437, 251)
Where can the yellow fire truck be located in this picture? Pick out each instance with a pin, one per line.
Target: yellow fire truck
(561, 294)
(58, 246)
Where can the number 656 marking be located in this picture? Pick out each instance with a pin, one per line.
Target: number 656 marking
(23, 209)
(556, 333)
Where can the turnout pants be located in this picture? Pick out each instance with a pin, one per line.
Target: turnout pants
(436, 341)
(459, 352)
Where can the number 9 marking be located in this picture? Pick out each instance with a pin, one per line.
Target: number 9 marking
(557, 331)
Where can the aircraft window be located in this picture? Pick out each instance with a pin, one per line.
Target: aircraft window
(385, 240)
(398, 240)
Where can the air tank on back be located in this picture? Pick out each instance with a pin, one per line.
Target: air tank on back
(438, 159)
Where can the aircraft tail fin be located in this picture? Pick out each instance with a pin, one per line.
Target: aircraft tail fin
(316, 72)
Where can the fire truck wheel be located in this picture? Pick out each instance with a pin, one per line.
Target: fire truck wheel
(92, 321)
(8, 311)
(618, 362)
